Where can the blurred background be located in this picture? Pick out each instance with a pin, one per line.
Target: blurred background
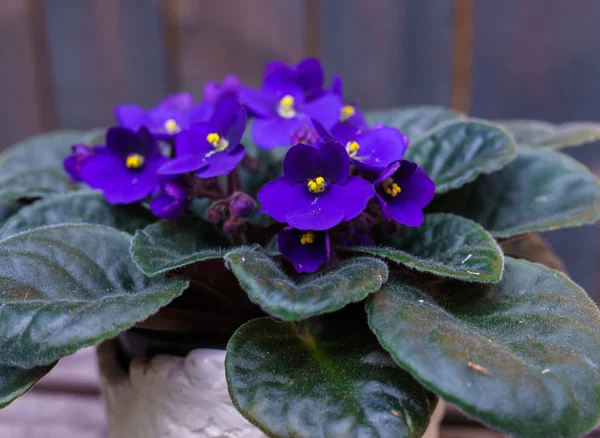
(67, 63)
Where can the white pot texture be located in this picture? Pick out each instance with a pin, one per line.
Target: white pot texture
(177, 397)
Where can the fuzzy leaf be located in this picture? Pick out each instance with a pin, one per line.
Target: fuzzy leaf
(539, 191)
(167, 245)
(536, 134)
(77, 207)
(445, 245)
(280, 296)
(413, 121)
(455, 153)
(15, 381)
(323, 377)
(34, 167)
(522, 355)
(66, 287)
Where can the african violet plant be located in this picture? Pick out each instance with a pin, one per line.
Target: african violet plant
(366, 253)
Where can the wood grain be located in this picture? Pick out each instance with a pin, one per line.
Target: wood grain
(103, 53)
(219, 37)
(537, 59)
(20, 107)
(389, 53)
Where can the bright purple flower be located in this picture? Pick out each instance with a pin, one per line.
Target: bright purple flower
(73, 163)
(403, 190)
(371, 149)
(212, 148)
(173, 200)
(282, 106)
(307, 250)
(174, 114)
(125, 170)
(308, 74)
(316, 191)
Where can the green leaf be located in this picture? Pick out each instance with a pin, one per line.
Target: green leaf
(66, 287)
(77, 207)
(34, 167)
(539, 191)
(535, 134)
(167, 245)
(7, 209)
(522, 355)
(323, 377)
(445, 245)
(413, 121)
(457, 152)
(280, 296)
(15, 381)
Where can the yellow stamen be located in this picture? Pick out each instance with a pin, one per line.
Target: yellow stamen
(390, 187)
(172, 127)
(219, 143)
(346, 112)
(286, 107)
(134, 161)
(316, 185)
(308, 237)
(352, 148)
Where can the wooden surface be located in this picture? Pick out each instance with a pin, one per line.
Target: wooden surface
(67, 404)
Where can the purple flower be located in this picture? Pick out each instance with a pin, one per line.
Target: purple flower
(212, 148)
(125, 170)
(73, 163)
(173, 200)
(282, 105)
(402, 191)
(371, 149)
(308, 74)
(315, 191)
(307, 250)
(174, 114)
(215, 92)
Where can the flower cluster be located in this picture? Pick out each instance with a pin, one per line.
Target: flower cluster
(340, 179)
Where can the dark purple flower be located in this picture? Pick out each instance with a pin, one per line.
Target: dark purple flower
(73, 163)
(173, 200)
(212, 148)
(315, 191)
(174, 114)
(282, 106)
(307, 250)
(403, 190)
(125, 170)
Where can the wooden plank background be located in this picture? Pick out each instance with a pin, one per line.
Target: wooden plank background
(67, 63)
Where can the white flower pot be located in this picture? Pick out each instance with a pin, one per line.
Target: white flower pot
(179, 397)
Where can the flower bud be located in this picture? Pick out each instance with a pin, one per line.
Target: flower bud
(233, 226)
(216, 212)
(241, 205)
(389, 227)
(363, 223)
